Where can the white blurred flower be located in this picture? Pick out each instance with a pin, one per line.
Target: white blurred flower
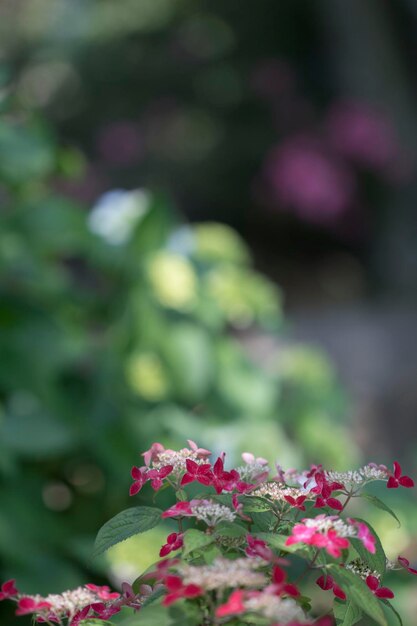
(116, 213)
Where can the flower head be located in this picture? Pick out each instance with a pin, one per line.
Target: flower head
(397, 478)
(377, 590)
(177, 590)
(174, 542)
(8, 590)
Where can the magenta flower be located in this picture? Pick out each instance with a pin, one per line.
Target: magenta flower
(80, 616)
(200, 473)
(157, 476)
(397, 478)
(27, 605)
(180, 509)
(327, 582)
(306, 178)
(139, 475)
(301, 534)
(105, 611)
(330, 540)
(297, 503)
(365, 535)
(279, 587)
(103, 592)
(374, 586)
(363, 135)
(233, 606)
(324, 490)
(333, 543)
(405, 563)
(177, 590)
(8, 590)
(258, 547)
(223, 480)
(200, 452)
(174, 542)
(153, 453)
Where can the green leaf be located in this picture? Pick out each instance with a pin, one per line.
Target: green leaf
(377, 561)
(130, 522)
(185, 613)
(256, 505)
(24, 154)
(210, 553)
(188, 355)
(155, 615)
(155, 595)
(346, 613)
(263, 522)
(196, 540)
(230, 530)
(358, 593)
(394, 611)
(379, 504)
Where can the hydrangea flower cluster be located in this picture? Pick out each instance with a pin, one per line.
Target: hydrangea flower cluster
(244, 543)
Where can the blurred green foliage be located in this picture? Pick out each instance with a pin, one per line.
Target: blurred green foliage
(114, 333)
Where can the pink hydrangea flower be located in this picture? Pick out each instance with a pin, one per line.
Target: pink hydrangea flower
(233, 606)
(8, 590)
(327, 582)
(405, 563)
(27, 605)
(103, 592)
(397, 478)
(174, 542)
(258, 548)
(195, 472)
(180, 509)
(377, 590)
(177, 590)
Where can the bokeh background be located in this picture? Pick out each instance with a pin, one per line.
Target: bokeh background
(208, 230)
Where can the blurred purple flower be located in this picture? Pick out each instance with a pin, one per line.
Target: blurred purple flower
(364, 135)
(120, 143)
(304, 176)
(273, 78)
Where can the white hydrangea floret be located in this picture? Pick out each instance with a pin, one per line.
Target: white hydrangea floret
(116, 213)
(212, 513)
(224, 573)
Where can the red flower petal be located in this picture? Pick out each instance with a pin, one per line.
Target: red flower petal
(325, 583)
(135, 488)
(136, 473)
(338, 592)
(192, 466)
(164, 471)
(392, 483)
(384, 592)
(165, 550)
(334, 504)
(173, 583)
(205, 480)
(278, 575)
(372, 582)
(188, 478)
(291, 590)
(397, 469)
(192, 591)
(406, 481)
(290, 500)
